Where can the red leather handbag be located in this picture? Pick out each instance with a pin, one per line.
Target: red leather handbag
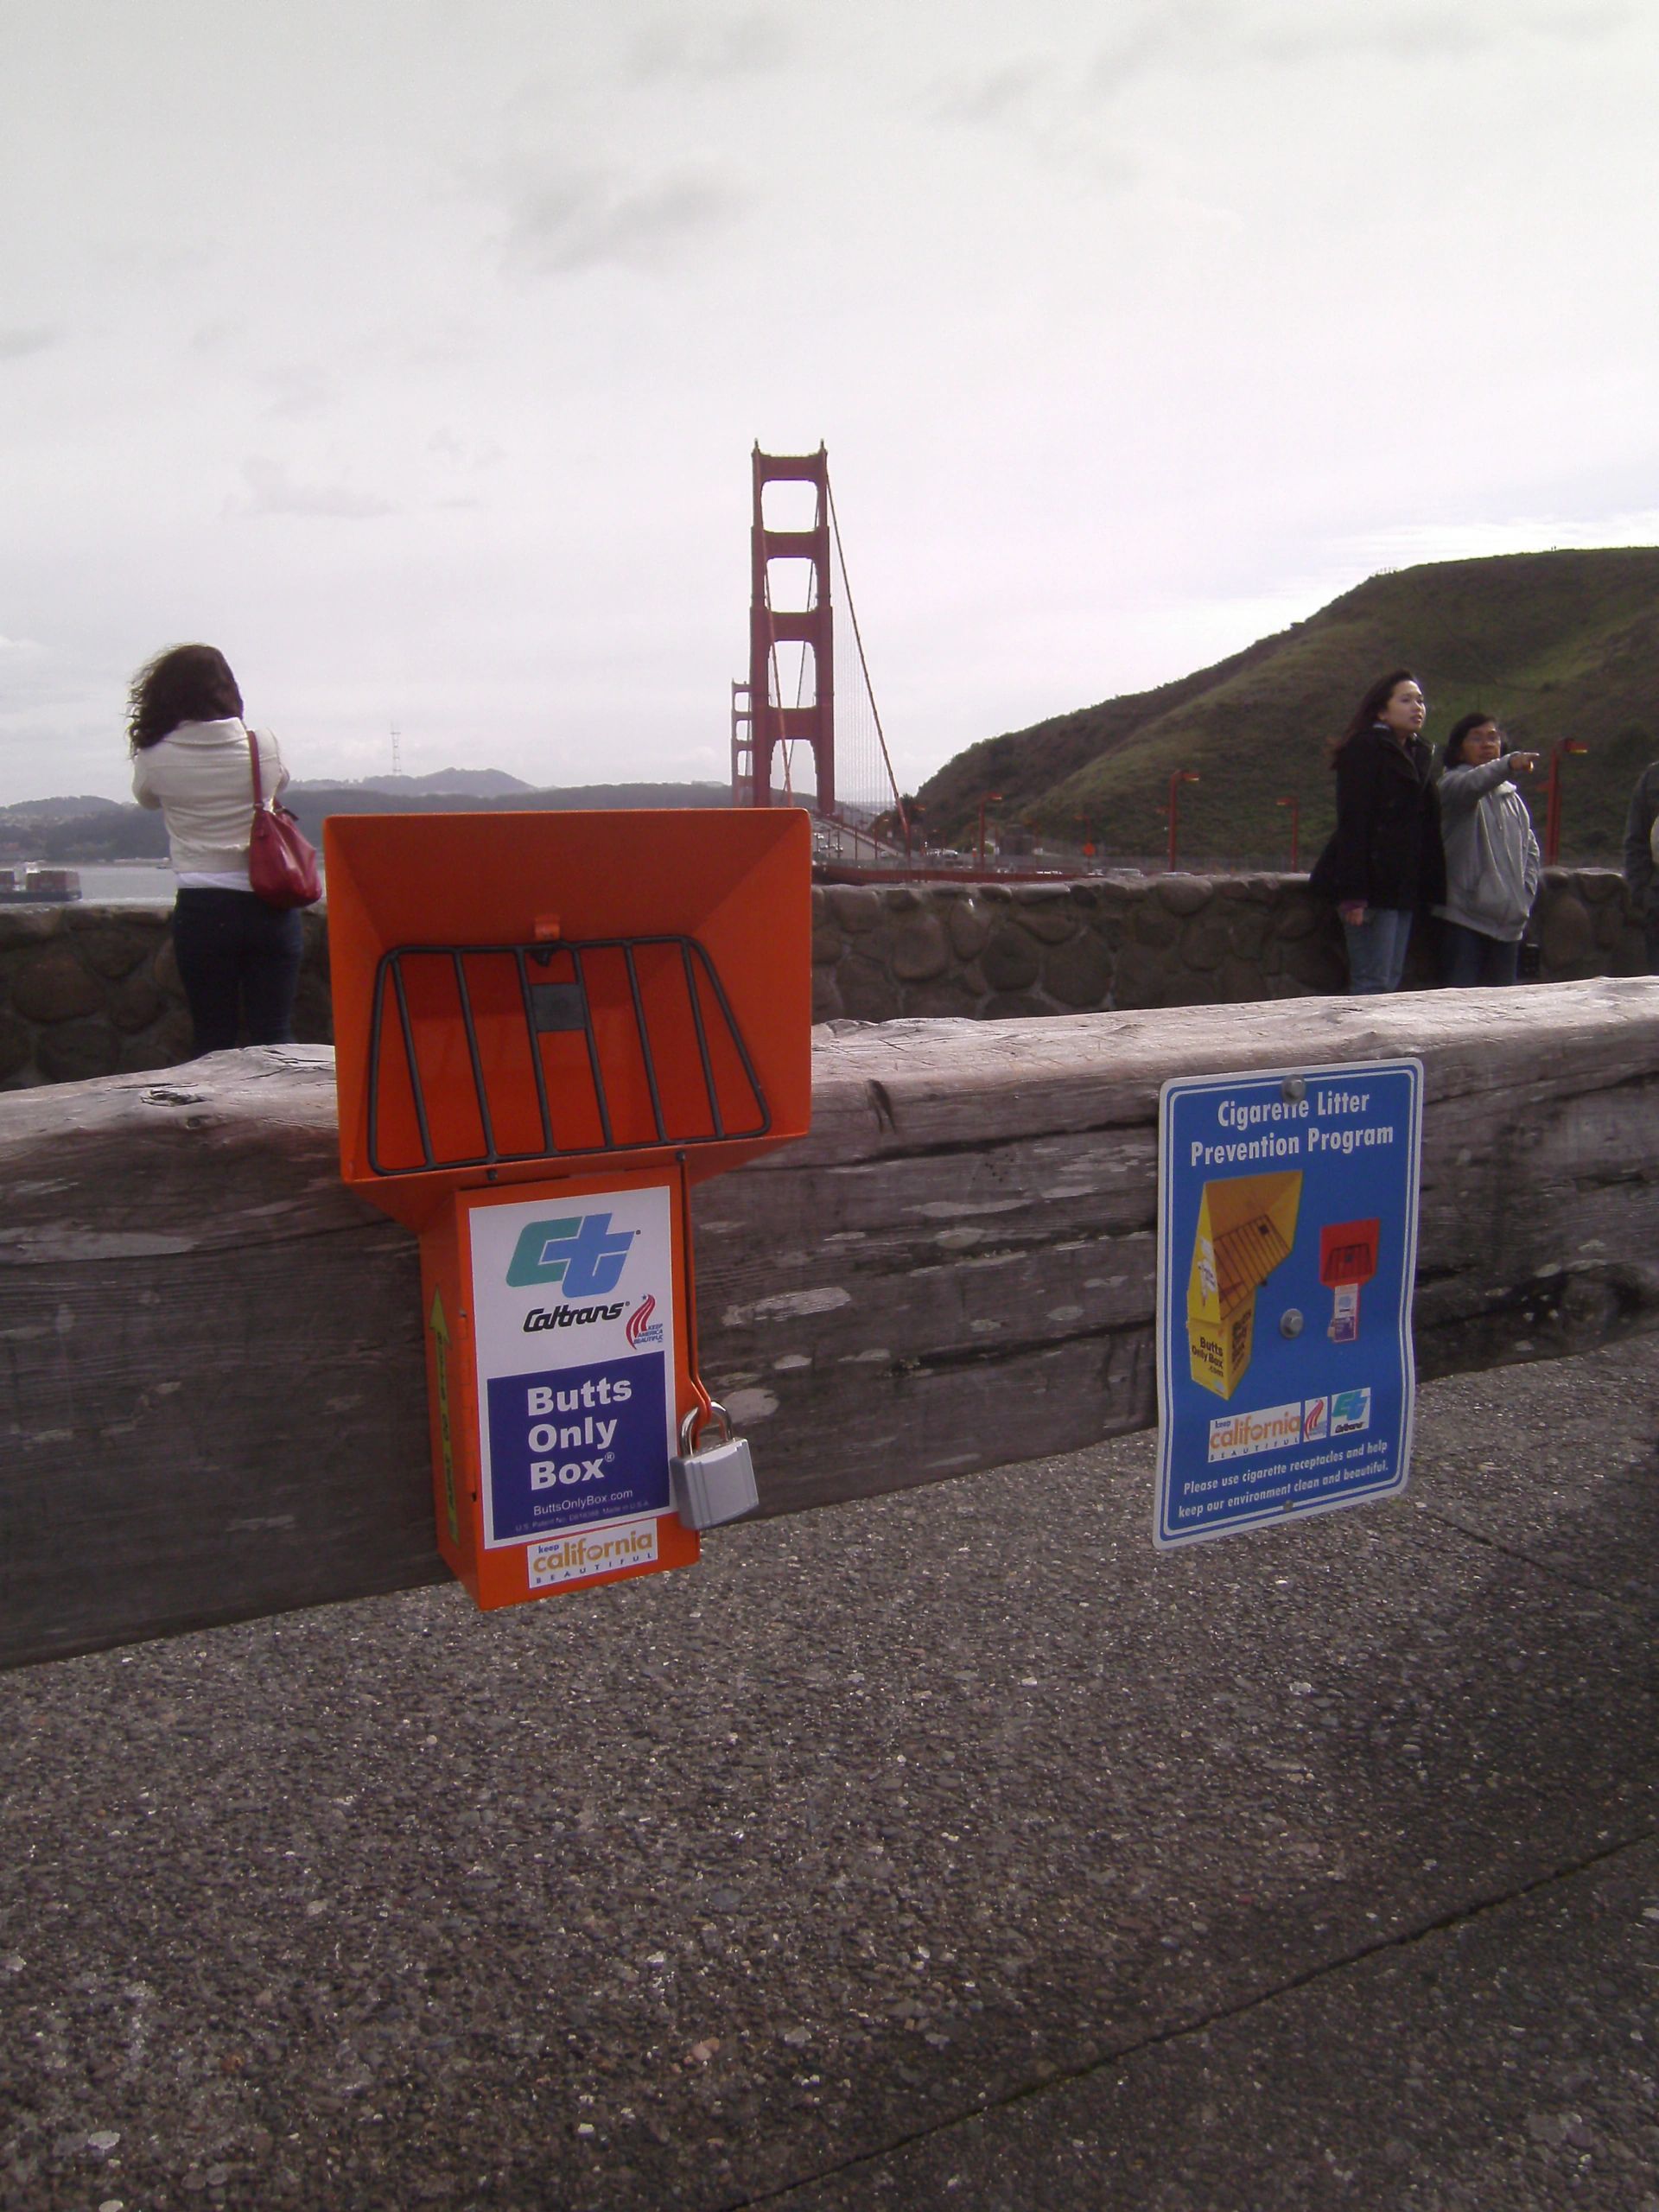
(282, 867)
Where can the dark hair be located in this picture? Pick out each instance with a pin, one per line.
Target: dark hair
(186, 684)
(1369, 710)
(1452, 756)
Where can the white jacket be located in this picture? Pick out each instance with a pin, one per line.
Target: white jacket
(201, 779)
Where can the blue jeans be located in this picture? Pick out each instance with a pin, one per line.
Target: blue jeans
(237, 956)
(1470, 957)
(1377, 949)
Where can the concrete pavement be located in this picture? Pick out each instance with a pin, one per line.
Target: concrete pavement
(950, 1849)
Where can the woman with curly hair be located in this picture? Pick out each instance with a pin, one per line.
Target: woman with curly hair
(1385, 864)
(238, 958)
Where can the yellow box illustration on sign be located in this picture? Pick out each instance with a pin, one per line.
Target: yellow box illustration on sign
(1246, 1224)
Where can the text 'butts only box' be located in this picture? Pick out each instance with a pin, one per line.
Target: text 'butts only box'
(546, 1027)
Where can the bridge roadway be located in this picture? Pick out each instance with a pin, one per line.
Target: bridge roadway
(948, 1849)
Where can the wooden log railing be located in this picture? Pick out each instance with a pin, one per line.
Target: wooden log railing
(212, 1393)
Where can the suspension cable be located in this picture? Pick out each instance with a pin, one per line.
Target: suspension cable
(869, 689)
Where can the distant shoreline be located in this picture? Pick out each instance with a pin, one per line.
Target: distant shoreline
(122, 883)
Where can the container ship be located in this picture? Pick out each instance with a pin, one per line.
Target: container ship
(38, 886)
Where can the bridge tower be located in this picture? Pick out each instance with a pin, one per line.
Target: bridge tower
(771, 722)
(743, 748)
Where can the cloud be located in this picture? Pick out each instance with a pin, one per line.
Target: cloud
(299, 390)
(16, 345)
(1162, 35)
(732, 46)
(1030, 100)
(1207, 35)
(469, 453)
(1426, 30)
(583, 219)
(208, 337)
(1569, 21)
(994, 96)
(270, 492)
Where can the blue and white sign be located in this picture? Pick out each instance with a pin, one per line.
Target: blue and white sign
(573, 1305)
(570, 1447)
(1286, 1256)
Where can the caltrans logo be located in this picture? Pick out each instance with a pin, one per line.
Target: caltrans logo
(582, 1254)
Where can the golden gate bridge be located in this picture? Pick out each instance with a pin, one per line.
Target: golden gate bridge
(788, 747)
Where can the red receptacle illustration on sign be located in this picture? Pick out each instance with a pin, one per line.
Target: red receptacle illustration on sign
(547, 1027)
(1347, 1262)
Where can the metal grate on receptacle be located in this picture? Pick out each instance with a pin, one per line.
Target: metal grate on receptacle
(554, 1051)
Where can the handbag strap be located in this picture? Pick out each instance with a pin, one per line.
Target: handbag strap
(253, 755)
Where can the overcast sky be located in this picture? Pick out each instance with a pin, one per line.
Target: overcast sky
(412, 352)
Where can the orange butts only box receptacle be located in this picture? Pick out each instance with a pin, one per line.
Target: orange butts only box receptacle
(546, 1027)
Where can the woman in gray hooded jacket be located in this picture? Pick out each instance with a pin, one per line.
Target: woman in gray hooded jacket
(1491, 855)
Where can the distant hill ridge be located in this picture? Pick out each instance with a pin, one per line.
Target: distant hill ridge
(1556, 644)
(460, 783)
(311, 802)
(54, 810)
(100, 830)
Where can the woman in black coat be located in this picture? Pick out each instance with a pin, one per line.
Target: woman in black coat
(1385, 864)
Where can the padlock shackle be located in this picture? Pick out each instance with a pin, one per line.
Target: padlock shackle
(705, 1406)
(708, 1415)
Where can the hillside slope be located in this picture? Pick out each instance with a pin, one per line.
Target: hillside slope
(1557, 645)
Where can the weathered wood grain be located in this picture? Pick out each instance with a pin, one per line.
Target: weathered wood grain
(957, 1268)
(212, 1399)
(211, 1387)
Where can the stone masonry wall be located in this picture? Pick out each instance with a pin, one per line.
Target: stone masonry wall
(991, 951)
(89, 990)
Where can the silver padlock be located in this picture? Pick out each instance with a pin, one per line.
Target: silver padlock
(711, 1484)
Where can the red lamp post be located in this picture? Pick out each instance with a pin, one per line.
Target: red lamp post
(1295, 828)
(1181, 776)
(989, 799)
(1553, 813)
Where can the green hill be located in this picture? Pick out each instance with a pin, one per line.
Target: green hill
(1556, 644)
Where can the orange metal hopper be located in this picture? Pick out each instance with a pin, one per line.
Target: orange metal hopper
(518, 995)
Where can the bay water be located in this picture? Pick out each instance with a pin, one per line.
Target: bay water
(123, 883)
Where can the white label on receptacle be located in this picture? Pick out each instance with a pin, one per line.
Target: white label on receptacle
(591, 1551)
(573, 1320)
